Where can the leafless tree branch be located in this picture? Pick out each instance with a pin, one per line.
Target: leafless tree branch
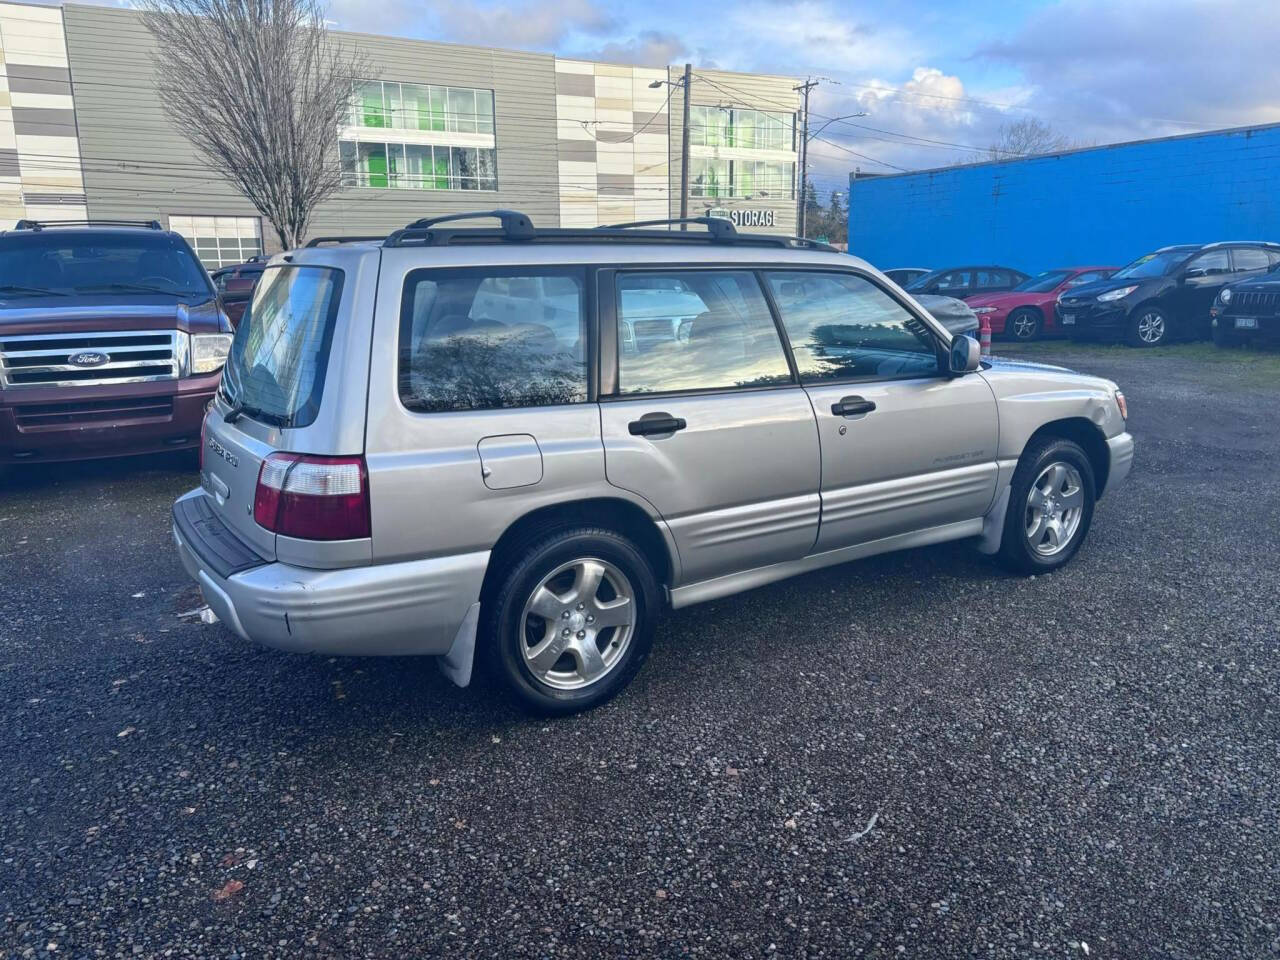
(261, 88)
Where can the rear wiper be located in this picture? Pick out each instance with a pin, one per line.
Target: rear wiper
(33, 291)
(240, 409)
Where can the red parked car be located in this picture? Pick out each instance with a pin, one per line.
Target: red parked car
(1027, 311)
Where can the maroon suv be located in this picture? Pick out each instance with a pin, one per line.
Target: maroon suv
(112, 341)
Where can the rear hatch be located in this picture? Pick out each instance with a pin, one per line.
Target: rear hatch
(272, 385)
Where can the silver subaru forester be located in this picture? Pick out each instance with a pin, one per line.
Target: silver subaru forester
(521, 445)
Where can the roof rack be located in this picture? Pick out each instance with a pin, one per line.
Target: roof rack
(515, 227)
(321, 241)
(46, 224)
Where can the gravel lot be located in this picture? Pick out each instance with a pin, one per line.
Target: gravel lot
(913, 756)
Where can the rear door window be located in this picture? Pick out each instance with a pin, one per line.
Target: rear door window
(844, 327)
(492, 338)
(1245, 259)
(279, 356)
(696, 330)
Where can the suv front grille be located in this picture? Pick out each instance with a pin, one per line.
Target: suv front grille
(79, 413)
(1254, 304)
(133, 356)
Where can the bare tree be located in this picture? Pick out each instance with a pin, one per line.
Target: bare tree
(1025, 138)
(260, 87)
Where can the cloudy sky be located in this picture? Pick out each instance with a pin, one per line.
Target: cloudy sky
(937, 79)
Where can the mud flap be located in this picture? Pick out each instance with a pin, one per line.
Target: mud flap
(456, 664)
(993, 523)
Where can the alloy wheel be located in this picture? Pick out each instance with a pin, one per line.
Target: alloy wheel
(1024, 326)
(578, 623)
(1151, 327)
(1055, 504)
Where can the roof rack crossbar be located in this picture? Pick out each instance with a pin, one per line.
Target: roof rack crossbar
(516, 225)
(519, 228)
(321, 241)
(45, 224)
(718, 227)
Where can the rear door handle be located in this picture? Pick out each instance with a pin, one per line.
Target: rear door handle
(655, 423)
(852, 406)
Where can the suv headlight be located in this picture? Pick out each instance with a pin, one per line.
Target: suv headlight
(1225, 295)
(209, 351)
(1116, 294)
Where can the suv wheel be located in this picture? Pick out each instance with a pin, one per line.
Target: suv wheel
(1023, 325)
(1222, 337)
(1148, 326)
(572, 621)
(1050, 507)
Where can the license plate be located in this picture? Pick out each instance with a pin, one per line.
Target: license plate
(1068, 318)
(1246, 323)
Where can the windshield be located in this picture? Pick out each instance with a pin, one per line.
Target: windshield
(276, 369)
(56, 262)
(1043, 282)
(1152, 265)
(920, 283)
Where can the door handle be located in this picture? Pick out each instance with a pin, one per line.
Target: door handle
(852, 406)
(654, 423)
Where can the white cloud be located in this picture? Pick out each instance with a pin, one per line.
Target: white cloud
(520, 24)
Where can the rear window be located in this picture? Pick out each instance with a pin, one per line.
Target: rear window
(57, 261)
(491, 338)
(276, 369)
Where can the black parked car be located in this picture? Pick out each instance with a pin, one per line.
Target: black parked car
(903, 276)
(1162, 296)
(1248, 311)
(965, 282)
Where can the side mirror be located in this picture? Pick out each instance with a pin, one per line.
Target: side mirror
(965, 355)
(1195, 273)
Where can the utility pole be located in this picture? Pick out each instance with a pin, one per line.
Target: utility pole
(684, 148)
(801, 204)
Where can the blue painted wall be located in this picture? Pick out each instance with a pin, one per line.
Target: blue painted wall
(1096, 206)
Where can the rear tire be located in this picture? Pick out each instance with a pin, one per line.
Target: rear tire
(572, 619)
(1023, 325)
(1148, 327)
(1051, 502)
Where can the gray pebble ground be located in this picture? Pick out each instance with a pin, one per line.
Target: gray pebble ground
(1081, 764)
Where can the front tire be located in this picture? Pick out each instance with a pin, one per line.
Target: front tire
(1148, 326)
(1023, 325)
(572, 620)
(1051, 502)
(1223, 337)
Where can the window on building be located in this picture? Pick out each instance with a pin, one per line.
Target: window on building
(220, 241)
(738, 127)
(467, 341)
(413, 166)
(748, 179)
(388, 104)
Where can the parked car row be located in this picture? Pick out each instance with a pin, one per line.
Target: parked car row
(1229, 291)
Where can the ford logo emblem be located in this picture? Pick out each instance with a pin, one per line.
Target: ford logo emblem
(88, 358)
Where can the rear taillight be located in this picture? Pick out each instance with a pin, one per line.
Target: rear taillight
(313, 498)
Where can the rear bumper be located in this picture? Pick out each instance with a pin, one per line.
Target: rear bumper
(62, 423)
(415, 607)
(1121, 449)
